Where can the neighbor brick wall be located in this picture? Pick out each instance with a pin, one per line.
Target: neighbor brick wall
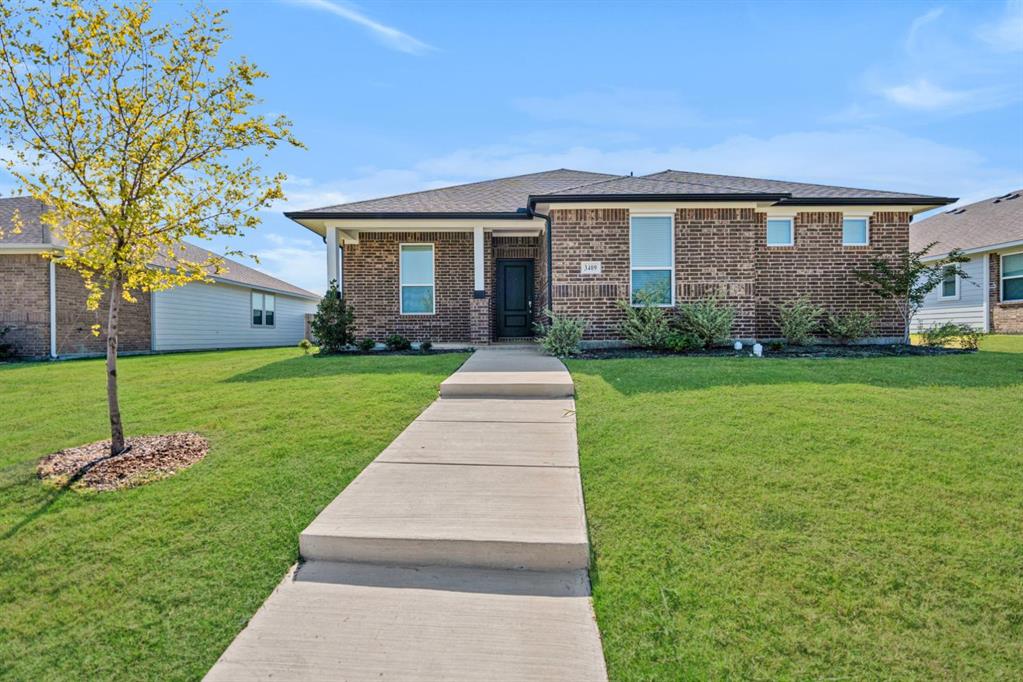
(25, 307)
(1006, 318)
(723, 251)
(25, 303)
(74, 320)
(372, 285)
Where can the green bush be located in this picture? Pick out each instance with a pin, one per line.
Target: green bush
(851, 326)
(425, 345)
(707, 321)
(646, 324)
(306, 345)
(397, 342)
(6, 349)
(560, 336)
(798, 319)
(366, 345)
(333, 324)
(949, 334)
(681, 342)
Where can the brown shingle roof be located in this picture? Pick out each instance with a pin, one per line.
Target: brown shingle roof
(516, 196)
(34, 232)
(997, 220)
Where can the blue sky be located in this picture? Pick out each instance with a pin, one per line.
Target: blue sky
(399, 96)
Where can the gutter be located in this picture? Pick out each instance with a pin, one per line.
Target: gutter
(864, 201)
(417, 215)
(535, 199)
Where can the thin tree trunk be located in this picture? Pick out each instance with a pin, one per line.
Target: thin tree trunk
(116, 428)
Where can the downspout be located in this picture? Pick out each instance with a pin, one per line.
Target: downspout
(53, 308)
(550, 260)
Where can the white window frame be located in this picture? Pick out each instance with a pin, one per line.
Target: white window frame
(1002, 278)
(792, 231)
(866, 219)
(263, 295)
(432, 285)
(671, 217)
(941, 289)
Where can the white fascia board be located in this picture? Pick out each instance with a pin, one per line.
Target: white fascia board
(524, 226)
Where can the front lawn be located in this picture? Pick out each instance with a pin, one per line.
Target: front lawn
(154, 582)
(807, 519)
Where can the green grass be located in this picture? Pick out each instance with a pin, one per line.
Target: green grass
(807, 519)
(154, 582)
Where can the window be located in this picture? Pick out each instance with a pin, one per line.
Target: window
(950, 285)
(1012, 277)
(651, 254)
(417, 290)
(262, 309)
(779, 232)
(855, 231)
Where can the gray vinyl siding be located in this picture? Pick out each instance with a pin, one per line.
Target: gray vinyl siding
(967, 309)
(205, 316)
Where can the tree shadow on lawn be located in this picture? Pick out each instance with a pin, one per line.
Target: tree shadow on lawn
(309, 366)
(984, 369)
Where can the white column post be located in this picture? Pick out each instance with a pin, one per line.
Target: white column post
(332, 260)
(53, 308)
(477, 244)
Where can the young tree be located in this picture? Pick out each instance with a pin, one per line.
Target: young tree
(333, 325)
(135, 139)
(907, 280)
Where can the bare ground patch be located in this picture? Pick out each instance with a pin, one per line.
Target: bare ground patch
(149, 458)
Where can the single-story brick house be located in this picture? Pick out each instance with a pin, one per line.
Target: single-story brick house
(990, 232)
(480, 262)
(43, 303)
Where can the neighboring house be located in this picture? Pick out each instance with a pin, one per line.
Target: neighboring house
(990, 232)
(480, 262)
(43, 303)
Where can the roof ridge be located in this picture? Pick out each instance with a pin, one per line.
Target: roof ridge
(463, 184)
(649, 179)
(791, 182)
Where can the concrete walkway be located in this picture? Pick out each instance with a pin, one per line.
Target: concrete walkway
(459, 553)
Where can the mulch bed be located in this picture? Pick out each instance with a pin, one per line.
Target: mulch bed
(149, 458)
(819, 351)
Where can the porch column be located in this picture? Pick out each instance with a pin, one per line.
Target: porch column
(479, 304)
(332, 257)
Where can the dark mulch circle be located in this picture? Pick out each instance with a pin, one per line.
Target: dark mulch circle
(815, 351)
(149, 458)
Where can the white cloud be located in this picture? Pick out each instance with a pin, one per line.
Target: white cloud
(917, 26)
(924, 95)
(386, 35)
(1006, 34)
(299, 262)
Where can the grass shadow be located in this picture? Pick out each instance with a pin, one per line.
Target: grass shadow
(310, 366)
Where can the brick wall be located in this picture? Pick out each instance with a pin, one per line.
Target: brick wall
(25, 307)
(371, 285)
(723, 252)
(527, 248)
(74, 320)
(25, 303)
(1006, 318)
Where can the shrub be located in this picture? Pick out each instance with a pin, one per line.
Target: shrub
(6, 349)
(707, 321)
(950, 333)
(798, 319)
(366, 345)
(646, 324)
(851, 326)
(425, 345)
(333, 324)
(306, 345)
(680, 342)
(561, 336)
(397, 342)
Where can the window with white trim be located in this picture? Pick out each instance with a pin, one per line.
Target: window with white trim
(263, 309)
(417, 285)
(1012, 277)
(652, 259)
(950, 285)
(780, 232)
(855, 231)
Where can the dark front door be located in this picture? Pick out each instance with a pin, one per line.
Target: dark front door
(514, 297)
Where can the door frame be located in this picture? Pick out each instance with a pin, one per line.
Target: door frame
(499, 292)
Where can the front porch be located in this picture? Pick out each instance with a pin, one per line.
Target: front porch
(444, 283)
